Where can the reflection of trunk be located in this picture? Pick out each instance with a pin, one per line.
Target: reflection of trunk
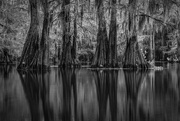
(74, 86)
(133, 81)
(31, 88)
(106, 86)
(101, 55)
(102, 87)
(6, 57)
(113, 76)
(45, 96)
(113, 37)
(66, 57)
(29, 57)
(69, 80)
(36, 87)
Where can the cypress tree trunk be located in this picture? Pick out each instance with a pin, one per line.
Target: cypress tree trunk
(66, 57)
(35, 53)
(73, 51)
(133, 56)
(101, 54)
(29, 57)
(113, 37)
(44, 44)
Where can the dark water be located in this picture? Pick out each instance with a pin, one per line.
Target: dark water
(85, 95)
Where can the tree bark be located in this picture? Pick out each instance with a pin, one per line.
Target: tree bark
(35, 51)
(101, 54)
(73, 50)
(66, 57)
(133, 56)
(31, 47)
(44, 44)
(113, 37)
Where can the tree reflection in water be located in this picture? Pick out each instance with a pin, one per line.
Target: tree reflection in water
(102, 95)
(69, 82)
(158, 97)
(36, 88)
(106, 87)
(133, 81)
(5, 70)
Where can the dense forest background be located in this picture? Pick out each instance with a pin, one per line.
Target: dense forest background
(100, 33)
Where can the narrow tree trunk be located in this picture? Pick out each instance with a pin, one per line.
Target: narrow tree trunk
(44, 44)
(29, 57)
(66, 57)
(101, 54)
(113, 37)
(73, 51)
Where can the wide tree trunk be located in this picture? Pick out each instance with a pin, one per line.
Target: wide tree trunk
(101, 54)
(133, 55)
(30, 51)
(35, 55)
(66, 57)
(113, 37)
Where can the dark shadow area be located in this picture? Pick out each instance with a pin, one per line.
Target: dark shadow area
(69, 92)
(106, 87)
(85, 95)
(159, 97)
(133, 81)
(5, 70)
(36, 88)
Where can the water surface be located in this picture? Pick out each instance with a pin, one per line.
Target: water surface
(90, 95)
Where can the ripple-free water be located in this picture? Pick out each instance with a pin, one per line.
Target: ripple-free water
(90, 95)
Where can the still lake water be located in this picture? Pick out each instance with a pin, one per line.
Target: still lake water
(86, 95)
